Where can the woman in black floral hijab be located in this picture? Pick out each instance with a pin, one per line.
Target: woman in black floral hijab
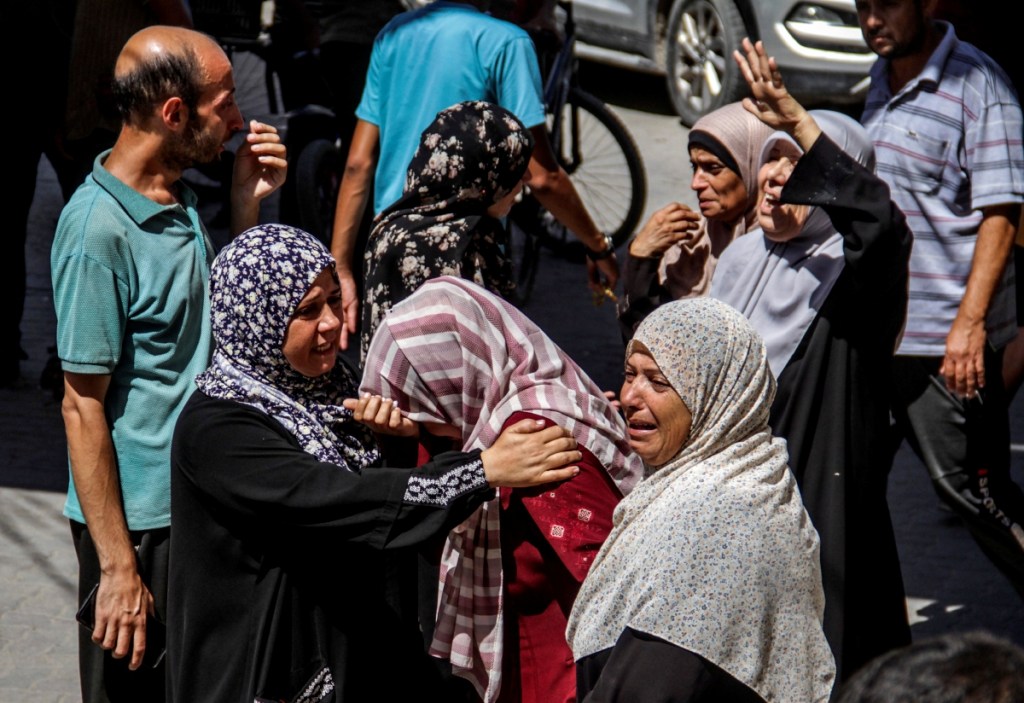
(256, 286)
(464, 176)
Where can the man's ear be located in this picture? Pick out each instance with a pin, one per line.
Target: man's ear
(174, 114)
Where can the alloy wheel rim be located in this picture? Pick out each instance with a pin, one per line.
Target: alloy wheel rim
(701, 64)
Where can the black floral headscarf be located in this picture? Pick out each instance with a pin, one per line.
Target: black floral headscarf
(471, 156)
(256, 283)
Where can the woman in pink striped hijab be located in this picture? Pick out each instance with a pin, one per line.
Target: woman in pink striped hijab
(454, 355)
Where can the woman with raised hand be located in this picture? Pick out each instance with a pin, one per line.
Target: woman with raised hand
(462, 180)
(675, 254)
(280, 509)
(708, 587)
(463, 363)
(825, 284)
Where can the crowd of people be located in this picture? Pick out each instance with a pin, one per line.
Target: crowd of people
(466, 515)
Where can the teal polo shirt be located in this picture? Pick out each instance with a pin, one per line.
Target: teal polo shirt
(130, 280)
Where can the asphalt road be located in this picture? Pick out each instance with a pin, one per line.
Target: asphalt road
(951, 586)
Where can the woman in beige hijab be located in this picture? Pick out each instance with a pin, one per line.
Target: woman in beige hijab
(675, 253)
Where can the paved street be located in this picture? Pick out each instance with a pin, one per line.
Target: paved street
(951, 586)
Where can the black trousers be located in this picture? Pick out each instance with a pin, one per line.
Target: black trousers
(103, 678)
(965, 446)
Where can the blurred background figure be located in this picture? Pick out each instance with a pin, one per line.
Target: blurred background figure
(70, 118)
(970, 667)
(412, 78)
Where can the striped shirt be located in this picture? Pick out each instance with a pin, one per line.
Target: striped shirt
(949, 144)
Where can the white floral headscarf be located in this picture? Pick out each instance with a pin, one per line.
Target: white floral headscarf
(714, 551)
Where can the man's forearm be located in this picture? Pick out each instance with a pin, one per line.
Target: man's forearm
(95, 475)
(991, 255)
(559, 197)
(551, 185)
(354, 194)
(353, 197)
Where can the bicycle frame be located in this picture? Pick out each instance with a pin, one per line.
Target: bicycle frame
(587, 140)
(556, 93)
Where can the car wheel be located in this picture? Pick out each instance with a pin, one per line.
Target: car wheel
(702, 75)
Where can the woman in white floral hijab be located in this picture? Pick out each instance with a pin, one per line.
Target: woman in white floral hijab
(709, 586)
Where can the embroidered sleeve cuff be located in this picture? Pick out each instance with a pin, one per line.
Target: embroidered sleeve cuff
(442, 489)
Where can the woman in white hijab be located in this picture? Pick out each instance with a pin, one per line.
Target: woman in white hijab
(824, 282)
(708, 587)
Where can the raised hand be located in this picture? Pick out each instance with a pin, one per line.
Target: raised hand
(771, 102)
(260, 169)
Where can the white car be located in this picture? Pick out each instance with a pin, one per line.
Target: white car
(817, 43)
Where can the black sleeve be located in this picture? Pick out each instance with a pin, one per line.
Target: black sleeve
(642, 667)
(245, 464)
(876, 239)
(642, 292)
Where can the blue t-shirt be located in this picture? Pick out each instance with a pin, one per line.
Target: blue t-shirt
(130, 283)
(432, 58)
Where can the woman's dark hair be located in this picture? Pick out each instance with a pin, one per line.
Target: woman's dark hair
(157, 79)
(973, 667)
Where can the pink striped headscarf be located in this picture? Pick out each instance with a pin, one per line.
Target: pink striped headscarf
(454, 353)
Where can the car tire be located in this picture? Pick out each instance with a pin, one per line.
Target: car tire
(701, 73)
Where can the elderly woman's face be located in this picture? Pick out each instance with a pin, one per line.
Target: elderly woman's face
(314, 332)
(658, 419)
(720, 191)
(779, 222)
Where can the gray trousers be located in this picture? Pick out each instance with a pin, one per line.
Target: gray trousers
(965, 446)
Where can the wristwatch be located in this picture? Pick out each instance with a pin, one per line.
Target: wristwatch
(605, 253)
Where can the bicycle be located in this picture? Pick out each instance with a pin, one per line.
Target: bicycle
(594, 147)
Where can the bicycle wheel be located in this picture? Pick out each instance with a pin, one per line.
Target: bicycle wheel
(317, 178)
(604, 164)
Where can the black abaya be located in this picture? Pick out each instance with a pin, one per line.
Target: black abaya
(832, 406)
(276, 571)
